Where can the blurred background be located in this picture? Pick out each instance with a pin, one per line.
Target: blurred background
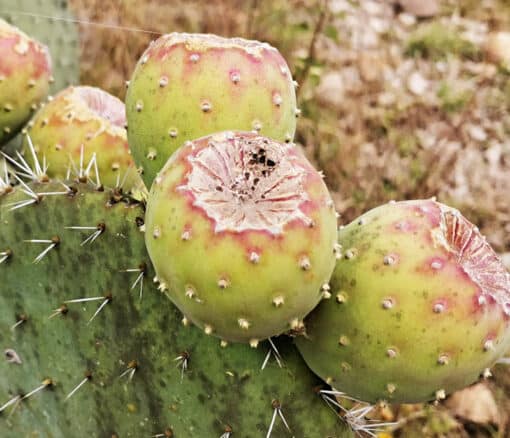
(400, 99)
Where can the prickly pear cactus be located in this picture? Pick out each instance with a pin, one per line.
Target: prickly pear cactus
(84, 124)
(186, 86)
(253, 230)
(52, 23)
(25, 72)
(93, 349)
(420, 306)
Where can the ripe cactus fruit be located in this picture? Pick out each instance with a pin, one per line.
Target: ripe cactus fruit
(186, 86)
(60, 36)
(123, 364)
(420, 307)
(25, 73)
(242, 230)
(81, 123)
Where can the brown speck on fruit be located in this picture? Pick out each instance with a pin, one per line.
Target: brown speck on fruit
(304, 263)
(389, 260)
(443, 359)
(387, 303)
(391, 353)
(223, 283)
(278, 301)
(343, 341)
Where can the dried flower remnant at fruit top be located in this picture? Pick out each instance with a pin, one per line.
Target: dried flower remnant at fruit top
(475, 256)
(203, 42)
(247, 185)
(89, 103)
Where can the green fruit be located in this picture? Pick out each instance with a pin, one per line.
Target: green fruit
(242, 229)
(421, 306)
(186, 86)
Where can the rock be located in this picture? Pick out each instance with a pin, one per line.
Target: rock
(477, 133)
(420, 8)
(406, 19)
(498, 48)
(476, 404)
(370, 64)
(330, 90)
(417, 84)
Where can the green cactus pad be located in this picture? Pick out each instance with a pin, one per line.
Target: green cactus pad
(242, 230)
(25, 72)
(420, 306)
(133, 370)
(186, 86)
(80, 123)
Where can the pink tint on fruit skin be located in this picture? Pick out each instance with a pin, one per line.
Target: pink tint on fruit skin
(36, 56)
(403, 226)
(429, 210)
(245, 238)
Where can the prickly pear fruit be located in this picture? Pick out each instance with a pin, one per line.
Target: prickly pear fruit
(420, 306)
(186, 86)
(60, 36)
(87, 354)
(84, 125)
(25, 74)
(242, 230)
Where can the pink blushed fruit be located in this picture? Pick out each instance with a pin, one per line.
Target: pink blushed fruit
(241, 231)
(25, 75)
(84, 125)
(423, 308)
(186, 86)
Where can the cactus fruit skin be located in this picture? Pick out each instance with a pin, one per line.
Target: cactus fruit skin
(25, 73)
(186, 86)
(220, 388)
(420, 306)
(89, 118)
(59, 34)
(241, 229)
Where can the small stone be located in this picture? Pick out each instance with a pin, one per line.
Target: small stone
(331, 91)
(477, 133)
(420, 8)
(417, 84)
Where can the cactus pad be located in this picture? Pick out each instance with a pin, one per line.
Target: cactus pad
(122, 363)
